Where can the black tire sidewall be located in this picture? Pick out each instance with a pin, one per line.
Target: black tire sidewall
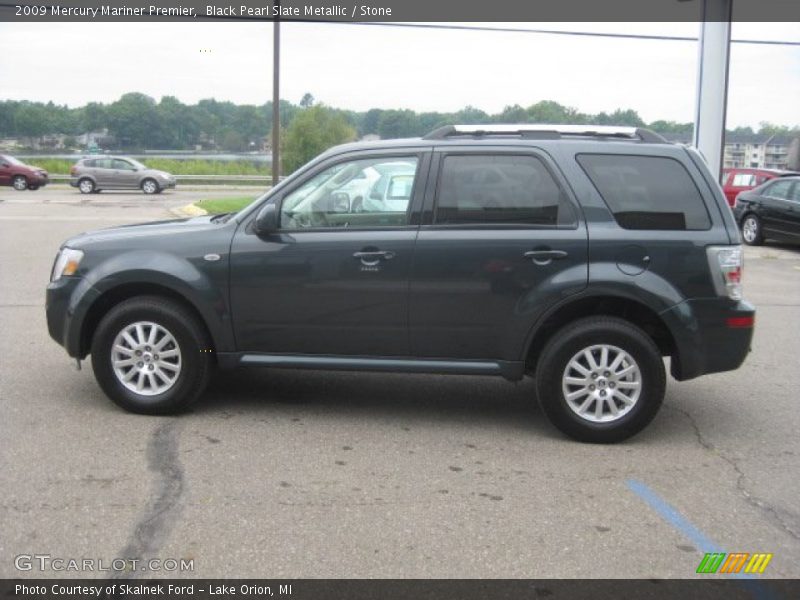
(564, 345)
(190, 339)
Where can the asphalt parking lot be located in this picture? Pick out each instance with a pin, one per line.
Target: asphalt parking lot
(304, 474)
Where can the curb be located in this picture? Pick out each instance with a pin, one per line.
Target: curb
(190, 210)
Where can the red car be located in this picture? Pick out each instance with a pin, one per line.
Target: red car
(20, 176)
(738, 180)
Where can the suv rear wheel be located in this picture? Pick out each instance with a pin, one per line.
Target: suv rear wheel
(151, 356)
(600, 379)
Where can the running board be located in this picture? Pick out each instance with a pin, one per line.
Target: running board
(509, 370)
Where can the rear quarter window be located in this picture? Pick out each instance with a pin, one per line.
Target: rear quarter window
(647, 192)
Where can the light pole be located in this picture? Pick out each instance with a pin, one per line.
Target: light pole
(276, 95)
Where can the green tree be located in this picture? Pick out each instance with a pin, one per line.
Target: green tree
(512, 114)
(398, 124)
(307, 100)
(370, 122)
(311, 132)
(134, 121)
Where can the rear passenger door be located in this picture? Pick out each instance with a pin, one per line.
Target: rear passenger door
(102, 171)
(501, 240)
(125, 174)
(777, 207)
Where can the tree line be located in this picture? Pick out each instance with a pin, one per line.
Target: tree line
(138, 121)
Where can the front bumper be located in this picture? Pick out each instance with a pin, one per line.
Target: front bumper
(38, 180)
(711, 335)
(167, 183)
(65, 302)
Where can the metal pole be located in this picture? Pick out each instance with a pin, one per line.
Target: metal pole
(276, 98)
(712, 83)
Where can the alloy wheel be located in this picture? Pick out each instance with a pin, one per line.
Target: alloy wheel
(146, 358)
(602, 383)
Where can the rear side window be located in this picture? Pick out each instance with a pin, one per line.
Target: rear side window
(744, 180)
(647, 192)
(500, 189)
(779, 189)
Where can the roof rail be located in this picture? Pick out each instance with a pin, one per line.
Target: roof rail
(536, 131)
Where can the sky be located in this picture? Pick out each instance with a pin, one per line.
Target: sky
(360, 67)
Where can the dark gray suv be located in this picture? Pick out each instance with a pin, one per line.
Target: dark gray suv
(582, 256)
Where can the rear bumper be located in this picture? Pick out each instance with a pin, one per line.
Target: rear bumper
(712, 335)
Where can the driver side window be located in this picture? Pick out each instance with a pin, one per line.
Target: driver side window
(372, 192)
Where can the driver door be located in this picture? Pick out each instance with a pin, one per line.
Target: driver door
(334, 279)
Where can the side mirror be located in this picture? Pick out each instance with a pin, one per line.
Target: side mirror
(5, 164)
(267, 219)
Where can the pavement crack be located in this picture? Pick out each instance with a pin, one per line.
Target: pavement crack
(163, 507)
(777, 516)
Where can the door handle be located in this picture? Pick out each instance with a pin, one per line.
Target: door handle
(545, 257)
(373, 257)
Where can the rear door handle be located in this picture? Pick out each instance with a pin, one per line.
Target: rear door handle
(545, 257)
(373, 257)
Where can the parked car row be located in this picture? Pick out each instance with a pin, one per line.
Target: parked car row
(90, 175)
(771, 210)
(737, 180)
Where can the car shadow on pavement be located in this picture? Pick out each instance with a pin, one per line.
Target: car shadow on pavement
(431, 398)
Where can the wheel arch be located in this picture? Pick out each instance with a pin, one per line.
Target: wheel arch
(125, 291)
(626, 308)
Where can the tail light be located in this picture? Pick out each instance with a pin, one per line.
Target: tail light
(725, 263)
(73, 170)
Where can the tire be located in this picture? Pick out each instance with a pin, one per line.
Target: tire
(643, 386)
(33, 188)
(96, 191)
(178, 333)
(20, 183)
(86, 186)
(150, 186)
(752, 233)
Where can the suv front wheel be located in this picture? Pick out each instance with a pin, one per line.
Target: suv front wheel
(151, 356)
(600, 379)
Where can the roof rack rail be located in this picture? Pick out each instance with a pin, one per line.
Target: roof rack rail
(536, 131)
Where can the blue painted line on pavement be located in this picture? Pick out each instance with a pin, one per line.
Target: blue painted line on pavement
(672, 516)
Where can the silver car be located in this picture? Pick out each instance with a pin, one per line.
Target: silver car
(94, 174)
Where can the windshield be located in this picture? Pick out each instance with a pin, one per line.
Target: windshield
(13, 161)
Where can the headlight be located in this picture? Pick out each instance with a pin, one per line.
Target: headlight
(67, 263)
